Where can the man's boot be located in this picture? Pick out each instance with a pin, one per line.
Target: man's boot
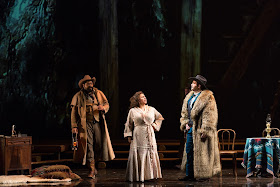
(92, 170)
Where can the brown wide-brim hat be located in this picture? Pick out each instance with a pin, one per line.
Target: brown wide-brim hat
(200, 79)
(86, 78)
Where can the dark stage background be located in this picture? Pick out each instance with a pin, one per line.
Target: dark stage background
(46, 47)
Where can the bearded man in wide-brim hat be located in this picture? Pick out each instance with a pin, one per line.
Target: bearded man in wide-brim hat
(199, 119)
(88, 120)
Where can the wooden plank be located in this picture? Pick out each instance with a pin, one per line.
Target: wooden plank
(42, 154)
(169, 151)
(169, 143)
(48, 148)
(239, 151)
(169, 159)
(236, 143)
(230, 159)
(121, 152)
(119, 159)
(52, 161)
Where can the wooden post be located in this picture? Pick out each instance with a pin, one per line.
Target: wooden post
(109, 82)
(190, 41)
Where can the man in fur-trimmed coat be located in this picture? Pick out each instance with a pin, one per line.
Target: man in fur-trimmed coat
(199, 118)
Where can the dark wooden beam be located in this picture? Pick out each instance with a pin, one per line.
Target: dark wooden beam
(190, 41)
(248, 50)
(109, 67)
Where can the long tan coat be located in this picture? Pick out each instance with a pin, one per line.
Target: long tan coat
(204, 115)
(78, 119)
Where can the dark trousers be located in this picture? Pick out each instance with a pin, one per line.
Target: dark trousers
(94, 143)
(189, 150)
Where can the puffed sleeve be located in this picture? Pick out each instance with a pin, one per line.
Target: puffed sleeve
(128, 126)
(158, 120)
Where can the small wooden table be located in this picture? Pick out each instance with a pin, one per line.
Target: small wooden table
(15, 153)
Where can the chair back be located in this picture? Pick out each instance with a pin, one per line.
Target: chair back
(226, 139)
(274, 132)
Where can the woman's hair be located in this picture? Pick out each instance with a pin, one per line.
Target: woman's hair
(134, 100)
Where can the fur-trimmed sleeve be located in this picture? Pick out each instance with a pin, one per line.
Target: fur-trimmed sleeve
(158, 120)
(128, 126)
(210, 117)
(184, 120)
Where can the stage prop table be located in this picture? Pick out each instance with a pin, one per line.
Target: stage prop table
(15, 153)
(262, 154)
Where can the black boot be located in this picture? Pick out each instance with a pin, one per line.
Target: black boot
(186, 178)
(203, 180)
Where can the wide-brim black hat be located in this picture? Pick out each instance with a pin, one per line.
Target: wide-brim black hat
(200, 79)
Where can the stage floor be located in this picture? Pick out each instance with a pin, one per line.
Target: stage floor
(116, 177)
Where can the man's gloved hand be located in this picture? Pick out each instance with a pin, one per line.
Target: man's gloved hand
(203, 137)
(101, 107)
(75, 130)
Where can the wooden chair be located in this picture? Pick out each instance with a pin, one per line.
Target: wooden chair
(274, 132)
(226, 146)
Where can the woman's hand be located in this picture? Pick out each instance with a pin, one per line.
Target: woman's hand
(153, 125)
(129, 139)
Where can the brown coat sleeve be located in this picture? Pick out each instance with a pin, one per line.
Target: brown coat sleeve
(74, 112)
(104, 101)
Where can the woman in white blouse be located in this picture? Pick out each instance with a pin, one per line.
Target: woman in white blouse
(142, 122)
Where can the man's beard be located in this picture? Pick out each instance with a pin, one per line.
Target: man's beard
(89, 89)
(193, 88)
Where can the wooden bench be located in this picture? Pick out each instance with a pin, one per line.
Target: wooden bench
(40, 151)
(52, 161)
